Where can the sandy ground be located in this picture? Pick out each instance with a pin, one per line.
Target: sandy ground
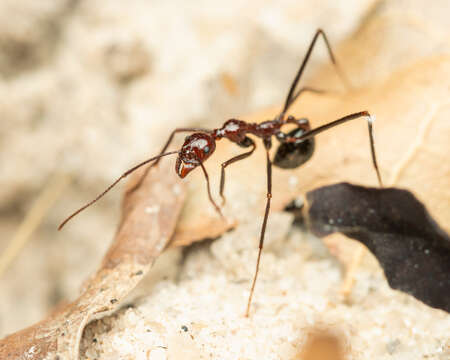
(88, 88)
(196, 310)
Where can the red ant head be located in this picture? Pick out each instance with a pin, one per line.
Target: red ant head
(196, 149)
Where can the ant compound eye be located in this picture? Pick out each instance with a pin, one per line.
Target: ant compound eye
(206, 149)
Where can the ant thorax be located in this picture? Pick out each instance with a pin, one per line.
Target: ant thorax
(233, 130)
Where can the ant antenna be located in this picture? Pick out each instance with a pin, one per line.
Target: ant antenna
(124, 175)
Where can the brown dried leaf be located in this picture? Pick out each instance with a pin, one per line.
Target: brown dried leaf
(149, 215)
(394, 35)
(397, 50)
(411, 130)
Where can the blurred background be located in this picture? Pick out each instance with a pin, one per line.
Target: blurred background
(89, 87)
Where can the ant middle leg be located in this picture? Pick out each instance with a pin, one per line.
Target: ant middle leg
(263, 228)
(312, 133)
(246, 143)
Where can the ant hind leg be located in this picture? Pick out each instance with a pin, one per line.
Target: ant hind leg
(301, 91)
(290, 98)
(311, 133)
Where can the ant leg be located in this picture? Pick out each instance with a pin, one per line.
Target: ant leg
(168, 142)
(316, 131)
(263, 229)
(209, 191)
(302, 122)
(229, 162)
(301, 91)
(290, 98)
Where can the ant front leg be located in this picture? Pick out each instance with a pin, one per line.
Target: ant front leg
(267, 144)
(246, 143)
(312, 133)
(163, 150)
(208, 187)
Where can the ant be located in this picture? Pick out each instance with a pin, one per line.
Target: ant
(296, 148)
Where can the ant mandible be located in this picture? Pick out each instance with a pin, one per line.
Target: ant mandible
(297, 146)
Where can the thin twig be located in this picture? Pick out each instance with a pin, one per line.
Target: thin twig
(33, 219)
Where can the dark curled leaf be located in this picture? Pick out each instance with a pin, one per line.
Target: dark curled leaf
(410, 246)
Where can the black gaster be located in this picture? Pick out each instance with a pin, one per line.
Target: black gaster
(247, 142)
(292, 155)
